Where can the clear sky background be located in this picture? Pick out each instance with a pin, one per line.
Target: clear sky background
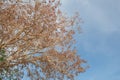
(99, 42)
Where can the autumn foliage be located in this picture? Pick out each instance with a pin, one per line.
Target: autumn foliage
(36, 41)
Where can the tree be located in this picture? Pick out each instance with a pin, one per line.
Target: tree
(36, 41)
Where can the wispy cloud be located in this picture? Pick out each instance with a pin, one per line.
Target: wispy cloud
(98, 15)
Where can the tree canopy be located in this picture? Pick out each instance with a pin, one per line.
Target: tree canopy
(36, 40)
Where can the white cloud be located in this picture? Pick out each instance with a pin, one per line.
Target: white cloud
(97, 15)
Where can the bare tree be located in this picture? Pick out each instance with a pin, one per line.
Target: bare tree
(36, 41)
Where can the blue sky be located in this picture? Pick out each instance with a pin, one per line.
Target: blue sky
(99, 42)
